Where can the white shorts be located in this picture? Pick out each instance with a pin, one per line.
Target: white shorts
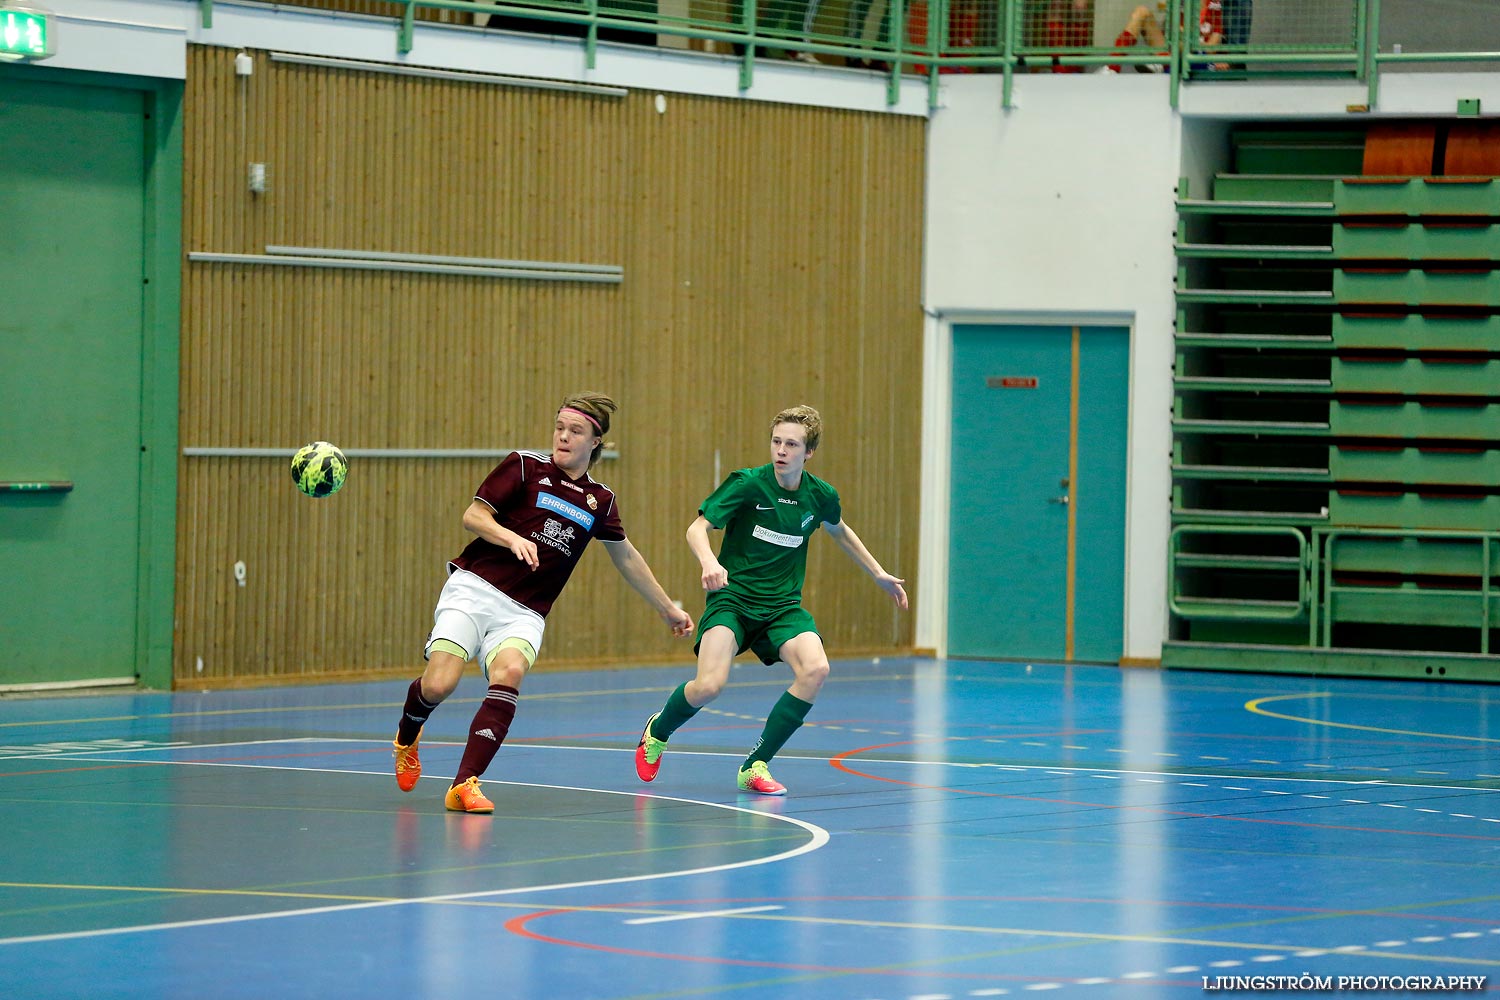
(479, 618)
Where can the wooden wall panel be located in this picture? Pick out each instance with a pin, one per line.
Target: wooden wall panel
(772, 256)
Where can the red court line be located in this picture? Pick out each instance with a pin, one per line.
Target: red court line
(518, 926)
(69, 770)
(633, 736)
(838, 762)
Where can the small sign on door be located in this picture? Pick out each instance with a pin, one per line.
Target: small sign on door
(1010, 382)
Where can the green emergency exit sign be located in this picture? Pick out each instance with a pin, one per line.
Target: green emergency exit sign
(25, 33)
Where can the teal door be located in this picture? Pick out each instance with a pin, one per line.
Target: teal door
(1036, 553)
(72, 197)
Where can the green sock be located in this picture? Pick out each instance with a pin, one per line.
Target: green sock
(784, 720)
(673, 714)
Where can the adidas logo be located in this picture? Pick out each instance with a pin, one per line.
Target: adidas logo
(544, 481)
(486, 733)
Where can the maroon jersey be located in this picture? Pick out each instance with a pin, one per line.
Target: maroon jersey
(534, 498)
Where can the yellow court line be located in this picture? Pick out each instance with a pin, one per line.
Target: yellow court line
(1254, 706)
(179, 891)
(1083, 936)
(287, 709)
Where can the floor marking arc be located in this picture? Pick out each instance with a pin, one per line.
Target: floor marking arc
(1253, 706)
(818, 837)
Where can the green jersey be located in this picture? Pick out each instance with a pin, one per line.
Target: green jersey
(766, 529)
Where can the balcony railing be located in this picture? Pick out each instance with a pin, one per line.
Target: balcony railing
(1238, 40)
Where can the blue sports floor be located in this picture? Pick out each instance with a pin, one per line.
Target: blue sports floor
(953, 830)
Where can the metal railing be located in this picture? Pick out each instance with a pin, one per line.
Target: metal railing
(1251, 557)
(900, 38)
(1475, 599)
(1460, 588)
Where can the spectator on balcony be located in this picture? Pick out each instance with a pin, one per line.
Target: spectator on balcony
(962, 36)
(1142, 27)
(1225, 22)
(1068, 24)
(785, 20)
(1221, 23)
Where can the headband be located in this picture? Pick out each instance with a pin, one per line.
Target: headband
(570, 409)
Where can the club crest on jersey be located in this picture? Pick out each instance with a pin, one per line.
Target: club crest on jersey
(577, 515)
(554, 534)
(806, 521)
(593, 504)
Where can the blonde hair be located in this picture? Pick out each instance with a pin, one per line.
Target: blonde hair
(598, 406)
(807, 418)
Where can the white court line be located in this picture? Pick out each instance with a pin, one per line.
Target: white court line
(818, 838)
(696, 916)
(1098, 771)
(175, 745)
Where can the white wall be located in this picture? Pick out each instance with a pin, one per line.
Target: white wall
(1060, 209)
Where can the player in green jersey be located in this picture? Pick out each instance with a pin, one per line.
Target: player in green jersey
(754, 586)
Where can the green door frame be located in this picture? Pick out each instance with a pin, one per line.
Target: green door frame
(161, 304)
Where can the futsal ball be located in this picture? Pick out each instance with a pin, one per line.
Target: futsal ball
(319, 469)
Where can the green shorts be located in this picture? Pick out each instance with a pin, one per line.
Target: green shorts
(763, 635)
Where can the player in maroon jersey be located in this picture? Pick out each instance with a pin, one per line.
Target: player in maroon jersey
(533, 516)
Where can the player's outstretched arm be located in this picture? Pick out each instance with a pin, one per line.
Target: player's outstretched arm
(632, 566)
(715, 576)
(850, 543)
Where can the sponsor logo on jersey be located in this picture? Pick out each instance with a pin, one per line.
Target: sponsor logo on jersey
(578, 515)
(544, 481)
(777, 538)
(571, 486)
(759, 507)
(785, 500)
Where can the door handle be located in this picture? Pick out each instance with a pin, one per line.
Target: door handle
(1062, 499)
